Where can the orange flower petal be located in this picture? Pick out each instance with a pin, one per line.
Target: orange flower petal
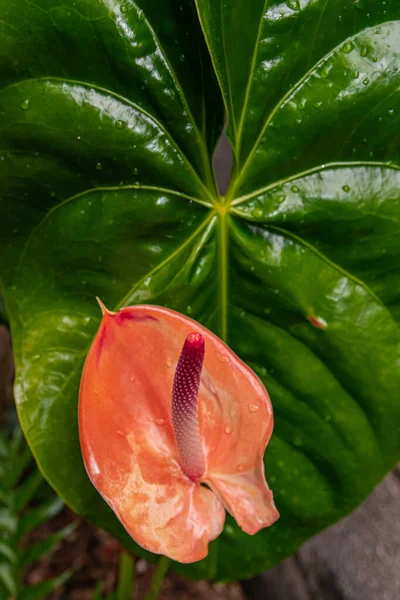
(236, 422)
(247, 498)
(128, 442)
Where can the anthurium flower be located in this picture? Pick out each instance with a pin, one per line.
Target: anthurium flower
(166, 407)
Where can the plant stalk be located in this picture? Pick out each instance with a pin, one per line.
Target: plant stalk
(158, 578)
(126, 577)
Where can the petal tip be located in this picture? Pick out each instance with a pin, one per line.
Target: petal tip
(104, 309)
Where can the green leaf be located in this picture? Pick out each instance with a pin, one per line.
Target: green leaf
(39, 515)
(8, 521)
(7, 579)
(108, 121)
(7, 552)
(42, 590)
(45, 546)
(26, 490)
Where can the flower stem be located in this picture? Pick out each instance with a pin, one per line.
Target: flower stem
(126, 577)
(158, 578)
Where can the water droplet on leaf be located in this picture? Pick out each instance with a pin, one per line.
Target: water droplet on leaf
(302, 104)
(325, 70)
(25, 104)
(293, 4)
(257, 212)
(348, 47)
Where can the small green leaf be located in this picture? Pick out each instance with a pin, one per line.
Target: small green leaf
(8, 552)
(7, 578)
(8, 521)
(39, 515)
(37, 550)
(42, 590)
(26, 490)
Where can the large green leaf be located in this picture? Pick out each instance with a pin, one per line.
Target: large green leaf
(109, 115)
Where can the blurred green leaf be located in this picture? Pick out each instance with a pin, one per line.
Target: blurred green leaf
(21, 484)
(42, 590)
(39, 515)
(37, 550)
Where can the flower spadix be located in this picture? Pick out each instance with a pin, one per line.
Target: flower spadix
(165, 406)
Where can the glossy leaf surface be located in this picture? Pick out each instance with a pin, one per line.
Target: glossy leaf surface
(107, 191)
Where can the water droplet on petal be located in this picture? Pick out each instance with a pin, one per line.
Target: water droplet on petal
(120, 433)
(159, 422)
(228, 429)
(240, 468)
(169, 362)
(253, 407)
